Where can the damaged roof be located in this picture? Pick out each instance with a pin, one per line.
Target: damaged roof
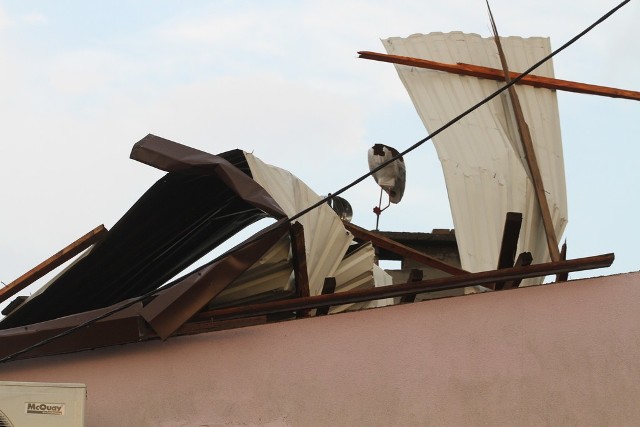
(202, 201)
(118, 292)
(198, 204)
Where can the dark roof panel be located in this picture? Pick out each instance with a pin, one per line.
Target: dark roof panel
(182, 217)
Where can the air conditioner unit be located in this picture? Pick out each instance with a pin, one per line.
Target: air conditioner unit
(26, 404)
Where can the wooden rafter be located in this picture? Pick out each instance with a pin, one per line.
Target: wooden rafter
(510, 235)
(52, 262)
(529, 152)
(498, 75)
(398, 248)
(524, 259)
(416, 275)
(328, 288)
(563, 277)
(392, 291)
(299, 256)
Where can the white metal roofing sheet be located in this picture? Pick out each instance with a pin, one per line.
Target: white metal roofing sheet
(483, 164)
(358, 271)
(326, 239)
(273, 272)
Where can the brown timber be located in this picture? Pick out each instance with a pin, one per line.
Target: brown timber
(416, 275)
(328, 288)
(400, 249)
(510, 236)
(52, 262)
(299, 256)
(529, 152)
(524, 259)
(495, 74)
(399, 290)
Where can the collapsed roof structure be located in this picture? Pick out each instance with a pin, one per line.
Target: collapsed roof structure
(120, 290)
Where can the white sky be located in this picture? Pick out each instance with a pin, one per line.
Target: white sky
(81, 82)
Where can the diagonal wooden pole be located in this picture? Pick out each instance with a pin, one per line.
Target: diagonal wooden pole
(530, 155)
(52, 262)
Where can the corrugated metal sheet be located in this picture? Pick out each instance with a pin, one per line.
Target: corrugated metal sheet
(355, 272)
(271, 275)
(359, 271)
(326, 239)
(176, 304)
(484, 167)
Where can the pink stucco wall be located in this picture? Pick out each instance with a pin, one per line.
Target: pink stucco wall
(562, 354)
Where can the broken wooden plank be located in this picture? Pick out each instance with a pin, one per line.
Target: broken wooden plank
(510, 235)
(405, 251)
(392, 291)
(328, 288)
(495, 74)
(299, 256)
(563, 277)
(52, 262)
(524, 259)
(415, 275)
(529, 152)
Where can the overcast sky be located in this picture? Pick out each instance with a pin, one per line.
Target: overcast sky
(81, 82)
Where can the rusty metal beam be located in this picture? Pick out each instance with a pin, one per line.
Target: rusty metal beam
(391, 245)
(51, 263)
(392, 291)
(495, 74)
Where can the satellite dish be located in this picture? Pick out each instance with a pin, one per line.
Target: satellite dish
(341, 207)
(391, 178)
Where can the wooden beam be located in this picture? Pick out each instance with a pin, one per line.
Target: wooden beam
(497, 75)
(405, 251)
(523, 260)
(328, 288)
(416, 275)
(563, 277)
(530, 154)
(392, 291)
(299, 256)
(52, 262)
(510, 235)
